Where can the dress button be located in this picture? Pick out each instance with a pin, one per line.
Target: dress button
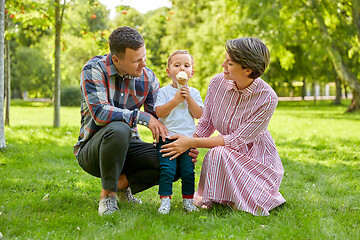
(122, 94)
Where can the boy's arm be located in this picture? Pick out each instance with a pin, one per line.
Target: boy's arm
(165, 109)
(195, 109)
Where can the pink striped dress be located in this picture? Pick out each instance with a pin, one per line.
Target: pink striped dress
(246, 171)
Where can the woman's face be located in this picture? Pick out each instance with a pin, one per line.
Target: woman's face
(233, 71)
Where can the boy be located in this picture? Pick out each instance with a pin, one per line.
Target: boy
(176, 106)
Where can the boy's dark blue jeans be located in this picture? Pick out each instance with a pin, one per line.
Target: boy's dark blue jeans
(168, 171)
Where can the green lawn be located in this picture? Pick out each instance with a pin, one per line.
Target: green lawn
(319, 146)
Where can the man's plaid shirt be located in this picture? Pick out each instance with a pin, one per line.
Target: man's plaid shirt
(107, 96)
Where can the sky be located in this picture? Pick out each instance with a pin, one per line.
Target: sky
(142, 6)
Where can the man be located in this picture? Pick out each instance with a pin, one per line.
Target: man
(114, 87)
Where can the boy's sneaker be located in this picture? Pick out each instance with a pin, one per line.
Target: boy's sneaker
(108, 205)
(126, 195)
(189, 205)
(165, 205)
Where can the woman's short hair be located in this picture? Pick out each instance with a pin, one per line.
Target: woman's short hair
(180, 52)
(250, 53)
(122, 38)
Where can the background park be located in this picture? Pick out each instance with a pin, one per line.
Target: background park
(315, 63)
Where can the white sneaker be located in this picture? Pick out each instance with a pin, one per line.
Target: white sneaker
(107, 205)
(126, 195)
(189, 205)
(165, 205)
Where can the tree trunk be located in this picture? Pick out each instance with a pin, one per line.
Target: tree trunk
(291, 90)
(314, 91)
(57, 80)
(347, 76)
(338, 95)
(345, 91)
(2, 30)
(354, 105)
(303, 92)
(341, 68)
(7, 83)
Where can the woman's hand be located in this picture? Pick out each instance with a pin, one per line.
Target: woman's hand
(178, 147)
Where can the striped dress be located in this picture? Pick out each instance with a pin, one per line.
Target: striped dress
(247, 171)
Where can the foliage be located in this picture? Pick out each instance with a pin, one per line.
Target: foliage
(70, 96)
(154, 31)
(290, 29)
(33, 72)
(28, 21)
(84, 17)
(320, 184)
(126, 16)
(76, 52)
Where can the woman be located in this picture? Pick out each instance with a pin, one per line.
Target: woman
(242, 168)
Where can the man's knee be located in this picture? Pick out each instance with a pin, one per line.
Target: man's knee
(119, 131)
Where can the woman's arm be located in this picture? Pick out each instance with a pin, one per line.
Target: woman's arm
(183, 143)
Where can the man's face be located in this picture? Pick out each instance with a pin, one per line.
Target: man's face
(132, 63)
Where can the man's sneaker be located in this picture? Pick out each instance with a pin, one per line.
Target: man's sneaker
(108, 205)
(126, 195)
(165, 205)
(189, 205)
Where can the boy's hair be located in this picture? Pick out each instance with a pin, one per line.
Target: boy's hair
(180, 52)
(250, 53)
(122, 38)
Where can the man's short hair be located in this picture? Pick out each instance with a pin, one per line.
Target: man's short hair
(122, 38)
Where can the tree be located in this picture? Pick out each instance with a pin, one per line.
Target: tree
(7, 82)
(126, 16)
(59, 13)
(342, 68)
(154, 30)
(2, 31)
(34, 77)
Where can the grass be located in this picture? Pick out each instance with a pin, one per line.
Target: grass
(319, 146)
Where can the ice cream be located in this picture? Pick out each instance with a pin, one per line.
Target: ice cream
(181, 79)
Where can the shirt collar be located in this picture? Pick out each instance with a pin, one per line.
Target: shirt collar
(246, 91)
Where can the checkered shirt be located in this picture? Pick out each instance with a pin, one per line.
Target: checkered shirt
(107, 96)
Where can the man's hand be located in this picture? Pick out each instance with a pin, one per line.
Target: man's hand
(158, 129)
(194, 152)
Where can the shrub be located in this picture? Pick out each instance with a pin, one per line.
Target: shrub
(70, 96)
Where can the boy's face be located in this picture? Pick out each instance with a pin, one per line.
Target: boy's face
(178, 63)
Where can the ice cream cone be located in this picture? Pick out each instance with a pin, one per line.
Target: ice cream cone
(182, 78)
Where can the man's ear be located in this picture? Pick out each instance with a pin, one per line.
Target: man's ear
(114, 58)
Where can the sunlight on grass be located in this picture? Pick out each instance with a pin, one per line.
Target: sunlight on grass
(318, 145)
